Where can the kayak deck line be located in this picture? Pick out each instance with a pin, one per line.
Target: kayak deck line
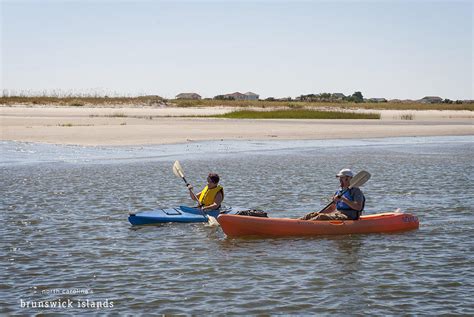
(170, 212)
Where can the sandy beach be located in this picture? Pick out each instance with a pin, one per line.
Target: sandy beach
(93, 126)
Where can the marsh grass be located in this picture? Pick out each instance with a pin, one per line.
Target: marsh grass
(191, 103)
(76, 104)
(68, 125)
(123, 115)
(319, 105)
(296, 114)
(408, 116)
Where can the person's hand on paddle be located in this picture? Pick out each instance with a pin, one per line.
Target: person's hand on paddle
(190, 187)
(337, 198)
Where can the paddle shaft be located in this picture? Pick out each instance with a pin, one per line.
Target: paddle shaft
(192, 193)
(332, 202)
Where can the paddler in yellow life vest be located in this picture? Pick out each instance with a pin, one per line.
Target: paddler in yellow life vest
(212, 195)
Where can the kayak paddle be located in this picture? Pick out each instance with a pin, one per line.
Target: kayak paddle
(178, 171)
(357, 181)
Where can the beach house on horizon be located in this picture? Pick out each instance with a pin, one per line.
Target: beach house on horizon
(376, 100)
(338, 96)
(188, 95)
(239, 96)
(431, 99)
(251, 96)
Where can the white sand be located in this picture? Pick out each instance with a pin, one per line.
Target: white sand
(132, 126)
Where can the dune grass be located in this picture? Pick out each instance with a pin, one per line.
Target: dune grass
(408, 116)
(72, 100)
(78, 101)
(296, 114)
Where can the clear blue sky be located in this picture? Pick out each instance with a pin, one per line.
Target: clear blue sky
(393, 49)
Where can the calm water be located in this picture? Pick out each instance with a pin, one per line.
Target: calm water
(65, 233)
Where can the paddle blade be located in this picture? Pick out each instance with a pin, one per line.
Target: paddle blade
(177, 170)
(360, 179)
(211, 221)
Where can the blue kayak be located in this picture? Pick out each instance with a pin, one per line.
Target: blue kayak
(179, 214)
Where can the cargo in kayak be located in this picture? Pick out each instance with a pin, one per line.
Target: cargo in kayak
(178, 214)
(237, 226)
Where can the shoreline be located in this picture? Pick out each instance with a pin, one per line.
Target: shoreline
(20, 153)
(93, 126)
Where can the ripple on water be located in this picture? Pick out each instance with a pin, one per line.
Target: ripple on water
(65, 227)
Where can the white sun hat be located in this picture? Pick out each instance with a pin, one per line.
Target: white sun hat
(345, 172)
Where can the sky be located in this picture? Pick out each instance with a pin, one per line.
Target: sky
(391, 49)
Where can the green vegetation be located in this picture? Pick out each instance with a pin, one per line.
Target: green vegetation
(320, 105)
(297, 114)
(184, 103)
(356, 97)
(351, 102)
(77, 104)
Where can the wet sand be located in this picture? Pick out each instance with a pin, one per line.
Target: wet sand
(144, 126)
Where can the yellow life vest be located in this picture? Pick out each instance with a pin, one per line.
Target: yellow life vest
(208, 195)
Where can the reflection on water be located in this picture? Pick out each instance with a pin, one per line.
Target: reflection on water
(65, 228)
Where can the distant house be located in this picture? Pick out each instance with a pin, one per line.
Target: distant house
(377, 100)
(239, 96)
(236, 96)
(431, 99)
(188, 95)
(251, 96)
(337, 96)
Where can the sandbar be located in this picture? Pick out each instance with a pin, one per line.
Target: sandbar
(96, 126)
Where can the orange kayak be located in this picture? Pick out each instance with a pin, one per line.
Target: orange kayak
(236, 226)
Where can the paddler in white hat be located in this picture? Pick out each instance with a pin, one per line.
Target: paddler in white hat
(348, 203)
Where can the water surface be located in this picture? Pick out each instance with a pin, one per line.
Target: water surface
(65, 233)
